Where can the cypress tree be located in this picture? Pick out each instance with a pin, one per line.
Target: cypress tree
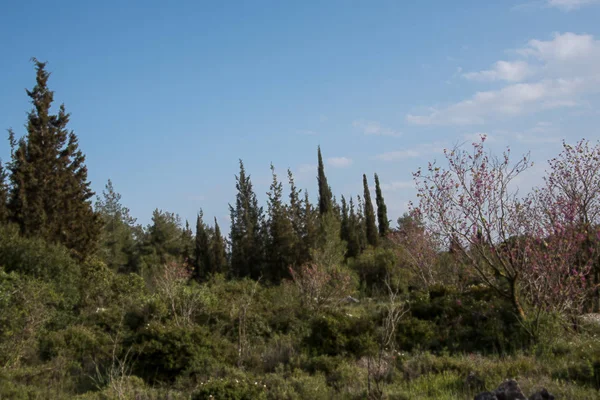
(247, 236)
(354, 232)
(382, 219)
(201, 249)
(325, 197)
(50, 195)
(370, 227)
(217, 248)
(280, 245)
(361, 220)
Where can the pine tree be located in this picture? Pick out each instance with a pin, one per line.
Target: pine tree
(3, 196)
(370, 227)
(164, 237)
(310, 227)
(295, 213)
(117, 244)
(247, 235)
(217, 248)
(280, 243)
(202, 261)
(50, 195)
(382, 219)
(325, 197)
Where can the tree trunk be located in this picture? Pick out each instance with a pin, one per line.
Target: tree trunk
(516, 302)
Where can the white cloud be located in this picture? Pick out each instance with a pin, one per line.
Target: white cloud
(419, 151)
(339, 162)
(566, 72)
(374, 128)
(569, 5)
(503, 71)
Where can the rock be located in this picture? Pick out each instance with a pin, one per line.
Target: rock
(541, 395)
(486, 396)
(509, 390)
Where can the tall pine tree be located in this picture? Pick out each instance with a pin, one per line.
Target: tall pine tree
(50, 194)
(325, 197)
(382, 219)
(117, 245)
(247, 230)
(295, 213)
(370, 227)
(281, 238)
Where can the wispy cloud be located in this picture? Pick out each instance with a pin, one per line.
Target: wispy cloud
(339, 162)
(563, 70)
(570, 5)
(374, 128)
(415, 152)
(502, 71)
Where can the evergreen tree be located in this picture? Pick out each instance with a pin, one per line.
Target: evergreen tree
(217, 248)
(188, 245)
(117, 243)
(361, 221)
(247, 236)
(310, 228)
(295, 213)
(354, 232)
(325, 197)
(382, 219)
(202, 261)
(345, 221)
(3, 196)
(281, 238)
(370, 227)
(50, 195)
(164, 237)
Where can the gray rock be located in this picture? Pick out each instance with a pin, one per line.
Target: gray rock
(541, 395)
(508, 390)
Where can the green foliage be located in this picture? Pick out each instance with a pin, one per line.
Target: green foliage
(341, 334)
(374, 266)
(166, 351)
(38, 259)
(231, 389)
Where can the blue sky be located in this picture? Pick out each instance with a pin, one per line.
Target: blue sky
(167, 96)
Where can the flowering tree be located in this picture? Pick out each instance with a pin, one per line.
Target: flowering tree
(533, 246)
(574, 181)
(470, 204)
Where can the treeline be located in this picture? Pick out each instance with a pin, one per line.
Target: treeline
(46, 193)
